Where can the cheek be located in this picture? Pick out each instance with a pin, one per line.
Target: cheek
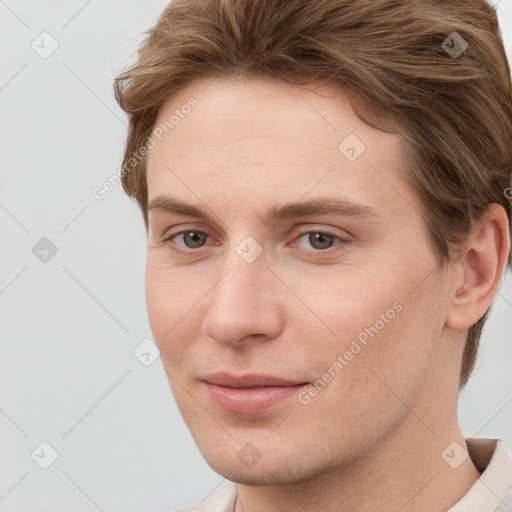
(349, 319)
(170, 305)
(395, 356)
(384, 340)
(160, 303)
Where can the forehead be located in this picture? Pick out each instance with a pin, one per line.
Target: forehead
(267, 139)
(243, 114)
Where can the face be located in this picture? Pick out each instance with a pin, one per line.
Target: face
(287, 311)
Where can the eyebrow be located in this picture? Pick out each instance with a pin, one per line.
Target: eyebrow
(276, 213)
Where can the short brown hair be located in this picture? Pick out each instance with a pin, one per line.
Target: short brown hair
(403, 60)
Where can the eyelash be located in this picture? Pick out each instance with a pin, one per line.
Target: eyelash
(312, 252)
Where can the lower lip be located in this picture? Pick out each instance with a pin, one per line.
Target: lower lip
(250, 400)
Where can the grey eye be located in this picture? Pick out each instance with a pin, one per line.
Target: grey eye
(193, 239)
(320, 240)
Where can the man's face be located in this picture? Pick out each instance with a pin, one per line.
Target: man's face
(348, 305)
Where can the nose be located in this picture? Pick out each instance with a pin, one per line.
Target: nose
(244, 304)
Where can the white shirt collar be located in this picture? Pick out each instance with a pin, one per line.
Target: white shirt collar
(492, 492)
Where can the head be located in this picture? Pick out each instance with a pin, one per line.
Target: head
(262, 113)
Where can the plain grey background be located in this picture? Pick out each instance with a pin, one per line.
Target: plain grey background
(72, 283)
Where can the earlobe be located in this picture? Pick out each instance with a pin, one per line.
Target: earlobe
(480, 269)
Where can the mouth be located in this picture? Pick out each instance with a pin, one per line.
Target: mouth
(249, 394)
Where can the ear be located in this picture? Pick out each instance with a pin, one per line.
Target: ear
(480, 269)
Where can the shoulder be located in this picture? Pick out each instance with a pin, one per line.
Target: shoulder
(220, 501)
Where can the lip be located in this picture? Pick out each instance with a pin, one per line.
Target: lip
(249, 393)
(250, 380)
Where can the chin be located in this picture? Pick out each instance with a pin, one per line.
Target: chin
(272, 469)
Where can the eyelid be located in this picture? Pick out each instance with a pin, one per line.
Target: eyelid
(169, 233)
(326, 230)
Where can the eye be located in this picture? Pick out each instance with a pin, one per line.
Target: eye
(321, 240)
(192, 239)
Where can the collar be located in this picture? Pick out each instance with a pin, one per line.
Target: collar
(492, 492)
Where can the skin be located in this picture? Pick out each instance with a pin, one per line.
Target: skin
(379, 427)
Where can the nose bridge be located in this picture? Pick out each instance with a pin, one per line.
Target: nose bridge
(245, 272)
(242, 301)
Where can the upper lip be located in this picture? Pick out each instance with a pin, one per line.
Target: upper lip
(251, 380)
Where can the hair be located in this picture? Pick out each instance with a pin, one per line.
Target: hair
(393, 57)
